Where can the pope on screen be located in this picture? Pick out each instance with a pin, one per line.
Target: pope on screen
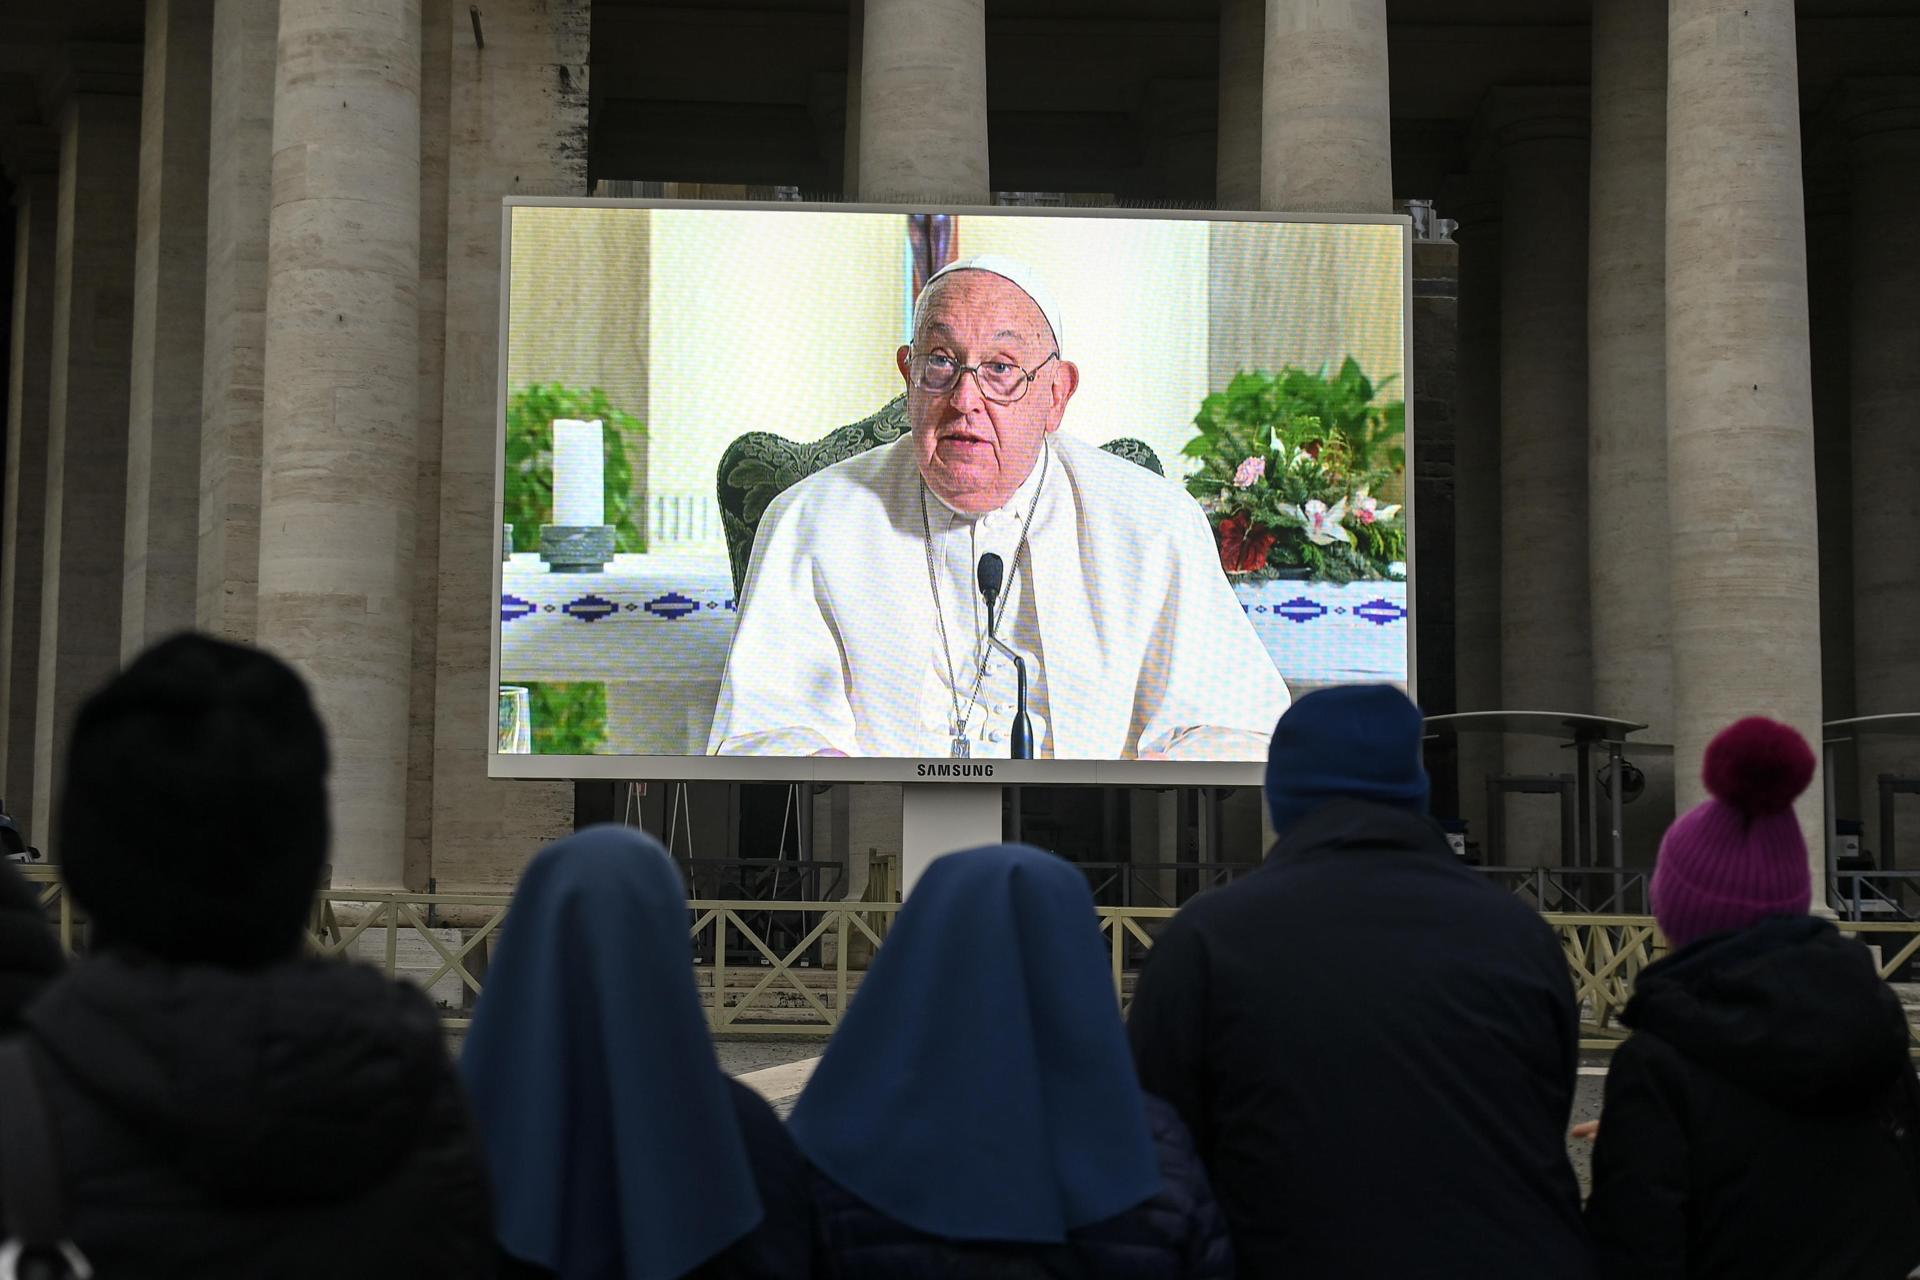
(862, 628)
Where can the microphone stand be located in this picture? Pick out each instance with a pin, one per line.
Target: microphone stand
(1020, 737)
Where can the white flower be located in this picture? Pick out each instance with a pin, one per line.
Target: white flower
(1367, 510)
(1322, 522)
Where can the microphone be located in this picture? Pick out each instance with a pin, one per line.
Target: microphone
(990, 574)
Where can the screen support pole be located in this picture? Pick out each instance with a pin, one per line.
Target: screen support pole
(937, 818)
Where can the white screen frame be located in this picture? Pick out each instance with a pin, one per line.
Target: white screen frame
(1134, 773)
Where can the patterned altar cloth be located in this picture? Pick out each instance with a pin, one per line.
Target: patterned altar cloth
(645, 617)
(1322, 634)
(656, 627)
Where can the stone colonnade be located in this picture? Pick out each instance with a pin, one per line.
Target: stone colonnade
(239, 322)
(1880, 120)
(1635, 439)
(1630, 605)
(1540, 139)
(1653, 419)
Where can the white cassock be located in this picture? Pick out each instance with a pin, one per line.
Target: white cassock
(1133, 640)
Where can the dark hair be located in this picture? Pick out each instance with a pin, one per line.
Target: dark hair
(193, 814)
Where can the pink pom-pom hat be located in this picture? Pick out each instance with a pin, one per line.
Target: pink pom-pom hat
(1739, 857)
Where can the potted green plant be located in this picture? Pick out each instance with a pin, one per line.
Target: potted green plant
(1293, 470)
(568, 718)
(529, 470)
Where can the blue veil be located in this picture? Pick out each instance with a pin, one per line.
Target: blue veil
(980, 1086)
(609, 1130)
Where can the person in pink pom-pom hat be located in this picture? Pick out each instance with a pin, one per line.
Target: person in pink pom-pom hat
(1739, 857)
(1764, 1117)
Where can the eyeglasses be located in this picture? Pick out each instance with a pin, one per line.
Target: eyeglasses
(1000, 381)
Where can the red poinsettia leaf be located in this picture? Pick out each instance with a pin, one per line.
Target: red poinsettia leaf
(1260, 540)
(1244, 545)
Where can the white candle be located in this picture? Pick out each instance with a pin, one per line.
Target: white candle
(579, 473)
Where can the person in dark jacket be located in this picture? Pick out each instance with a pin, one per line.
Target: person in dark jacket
(29, 953)
(618, 1149)
(1764, 1118)
(976, 1114)
(223, 1104)
(1374, 1047)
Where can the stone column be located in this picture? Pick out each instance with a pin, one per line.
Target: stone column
(1883, 118)
(1626, 395)
(856, 45)
(923, 101)
(517, 126)
(1829, 367)
(338, 461)
(1746, 625)
(1243, 56)
(232, 393)
(86, 477)
(1324, 133)
(169, 286)
(1474, 203)
(34, 166)
(436, 95)
(1545, 644)
(1436, 348)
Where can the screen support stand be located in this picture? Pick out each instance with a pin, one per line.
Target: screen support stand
(937, 818)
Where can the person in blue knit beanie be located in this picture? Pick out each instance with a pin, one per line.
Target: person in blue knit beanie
(1374, 1047)
(1350, 742)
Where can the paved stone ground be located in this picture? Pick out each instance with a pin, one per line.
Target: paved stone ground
(1586, 1106)
(743, 1057)
(737, 1057)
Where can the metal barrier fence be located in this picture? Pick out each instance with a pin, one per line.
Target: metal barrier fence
(1157, 884)
(1575, 890)
(1876, 895)
(801, 983)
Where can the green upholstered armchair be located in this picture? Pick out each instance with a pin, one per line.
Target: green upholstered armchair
(760, 466)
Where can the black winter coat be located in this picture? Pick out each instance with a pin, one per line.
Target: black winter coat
(1763, 1120)
(298, 1121)
(781, 1247)
(29, 953)
(1376, 1051)
(1178, 1235)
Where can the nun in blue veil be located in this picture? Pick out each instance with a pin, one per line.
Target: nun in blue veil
(977, 1113)
(617, 1147)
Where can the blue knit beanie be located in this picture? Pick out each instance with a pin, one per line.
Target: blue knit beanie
(1358, 742)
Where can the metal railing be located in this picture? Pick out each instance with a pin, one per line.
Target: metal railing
(800, 981)
(1876, 895)
(1604, 954)
(1576, 890)
(1158, 884)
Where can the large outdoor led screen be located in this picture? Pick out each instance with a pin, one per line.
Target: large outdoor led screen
(791, 491)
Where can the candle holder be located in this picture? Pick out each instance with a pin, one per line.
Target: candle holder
(568, 548)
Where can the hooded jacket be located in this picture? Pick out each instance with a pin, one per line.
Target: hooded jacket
(1375, 1050)
(1763, 1119)
(300, 1120)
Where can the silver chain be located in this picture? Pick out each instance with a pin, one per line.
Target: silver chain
(940, 614)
